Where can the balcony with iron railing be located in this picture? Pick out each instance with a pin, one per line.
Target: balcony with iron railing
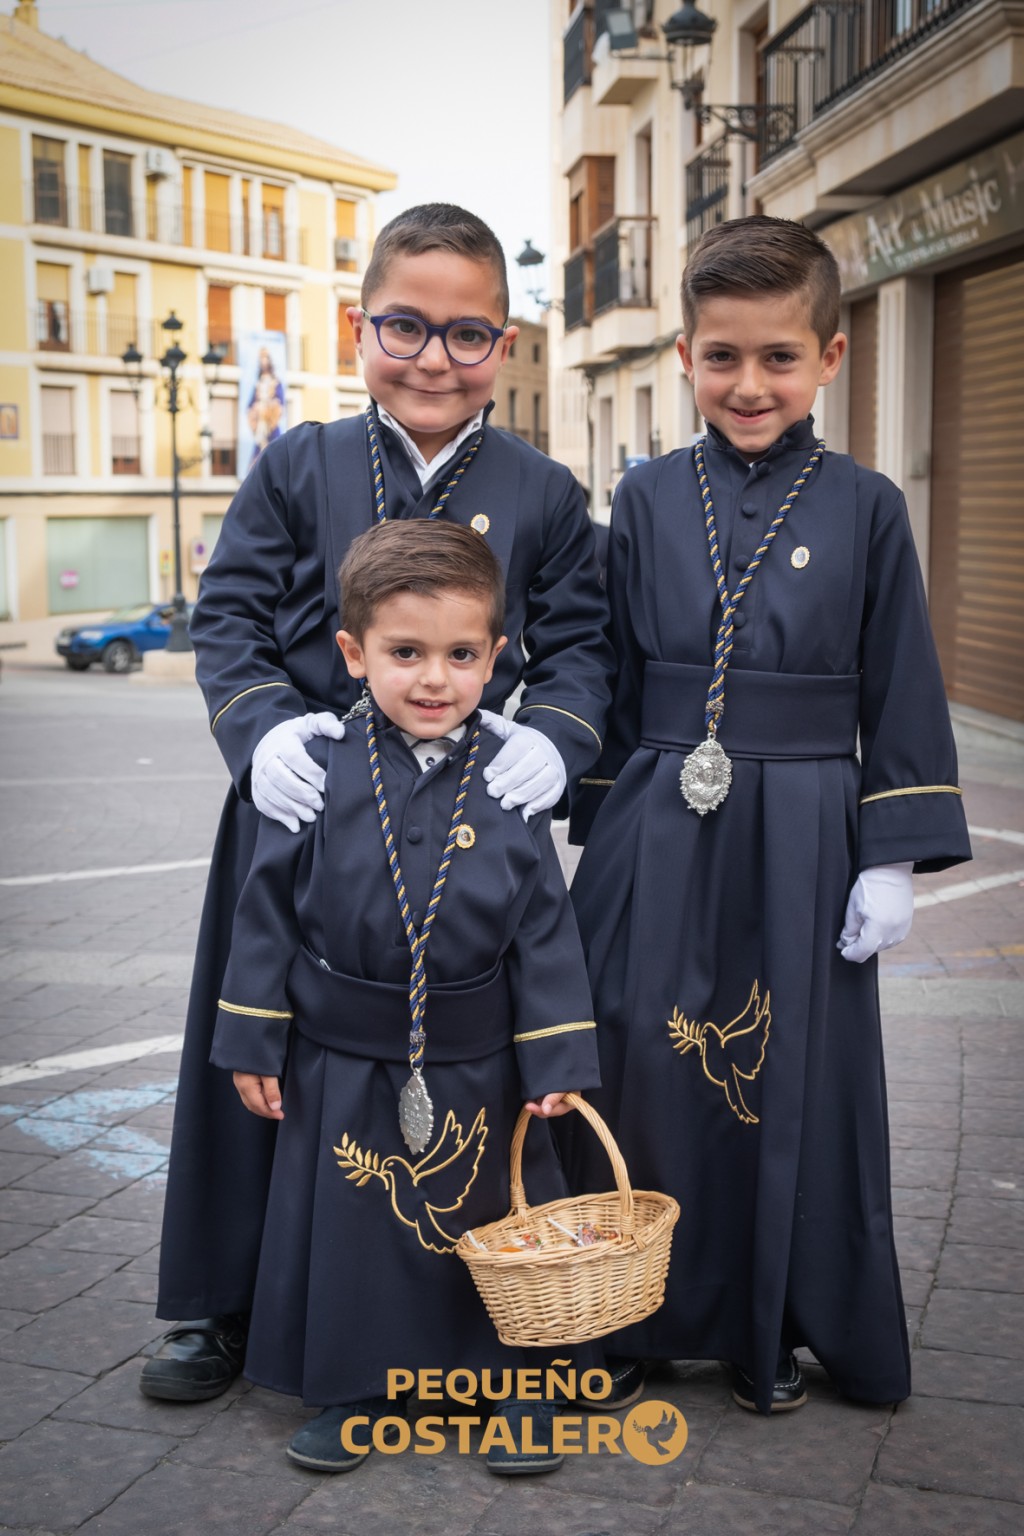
(93, 333)
(58, 453)
(170, 223)
(609, 295)
(578, 283)
(622, 264)
(834, 47)
(625, 317)
(577, 48)
(707, 189)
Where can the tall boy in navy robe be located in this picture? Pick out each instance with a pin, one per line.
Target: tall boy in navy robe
(768, 610)
(357, 1272)
(432, 333)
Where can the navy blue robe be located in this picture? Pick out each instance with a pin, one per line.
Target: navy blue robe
(264, 631)
(741, 1055)
(357, 1271)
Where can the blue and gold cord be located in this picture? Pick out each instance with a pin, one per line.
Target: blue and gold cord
(715, 706)
(418, 941)
(379, 509)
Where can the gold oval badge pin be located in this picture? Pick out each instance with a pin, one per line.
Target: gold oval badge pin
(800, 557)
(465, 837)
(480, 523)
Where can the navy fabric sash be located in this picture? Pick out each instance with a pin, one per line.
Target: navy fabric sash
(465, 1020)
(767, 714)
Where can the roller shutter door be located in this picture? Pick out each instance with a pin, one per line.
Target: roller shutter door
(863, 366)
(977, 484)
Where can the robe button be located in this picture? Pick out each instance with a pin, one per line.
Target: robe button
(416, 921)
(741, 562)
(762, 469)
(738, 620)
(414, 835)
(748, 508)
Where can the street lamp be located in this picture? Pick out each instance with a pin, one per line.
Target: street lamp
(528, 257)
(171, 363)
(769, 123)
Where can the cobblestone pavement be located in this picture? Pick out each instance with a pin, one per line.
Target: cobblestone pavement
(103, 775)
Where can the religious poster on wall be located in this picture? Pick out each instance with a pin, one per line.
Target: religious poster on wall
(262, 408)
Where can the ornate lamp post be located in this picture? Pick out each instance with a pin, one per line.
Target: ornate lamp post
(171, 363)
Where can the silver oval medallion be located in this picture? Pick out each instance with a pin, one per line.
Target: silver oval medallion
(415, 1113)
(705, 777)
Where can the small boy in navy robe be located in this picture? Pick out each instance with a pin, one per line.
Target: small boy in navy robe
(780, 761)
(432, 332)
(396, 1117)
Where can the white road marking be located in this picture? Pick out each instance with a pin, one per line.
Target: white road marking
(80, 1061)
(107, 874)
(1001, 834)
(968, 888)
(52, 781)
(951, 893)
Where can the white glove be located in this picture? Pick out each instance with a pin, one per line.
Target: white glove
(879, 912)
(286, 783)
(528, 771)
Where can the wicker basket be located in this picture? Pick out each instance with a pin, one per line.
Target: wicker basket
(565, 1295)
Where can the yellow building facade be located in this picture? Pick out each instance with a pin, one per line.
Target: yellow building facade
(521, 388)
(119, 208)
(892, 127)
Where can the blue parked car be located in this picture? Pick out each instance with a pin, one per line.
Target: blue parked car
(118, 641)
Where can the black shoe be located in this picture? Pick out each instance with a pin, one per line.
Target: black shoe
(197, 1360)
(530, 1425)
(788, 1390)
(628, 1377)
(317, 1445)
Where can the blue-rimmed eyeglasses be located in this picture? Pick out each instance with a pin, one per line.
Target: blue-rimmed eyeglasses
(466, 342)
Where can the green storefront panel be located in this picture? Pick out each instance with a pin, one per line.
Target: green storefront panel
(96, 562)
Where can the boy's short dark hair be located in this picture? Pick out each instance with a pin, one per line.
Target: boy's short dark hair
(760, 255)
(423, 556)
(436, 227)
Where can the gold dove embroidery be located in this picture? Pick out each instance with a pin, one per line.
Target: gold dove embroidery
(732, 1054)
(452, 1160)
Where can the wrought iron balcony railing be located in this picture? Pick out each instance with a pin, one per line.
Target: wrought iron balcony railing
(834, 46)
(622, 264)
(60, 329)
(578, 279)
(707, 189)
(171, 223)
(58, 453)
(577, 47)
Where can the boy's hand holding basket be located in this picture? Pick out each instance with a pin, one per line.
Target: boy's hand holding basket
(577, 1268)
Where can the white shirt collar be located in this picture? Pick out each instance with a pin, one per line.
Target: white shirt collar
(422, 748)
(423, 469)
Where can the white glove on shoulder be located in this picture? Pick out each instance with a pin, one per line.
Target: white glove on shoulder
(528, 771)
(879, 912)
(287, 784)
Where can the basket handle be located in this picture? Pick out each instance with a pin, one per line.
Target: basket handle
(607, 1140)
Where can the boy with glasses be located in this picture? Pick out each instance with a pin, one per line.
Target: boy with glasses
(432, 331)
